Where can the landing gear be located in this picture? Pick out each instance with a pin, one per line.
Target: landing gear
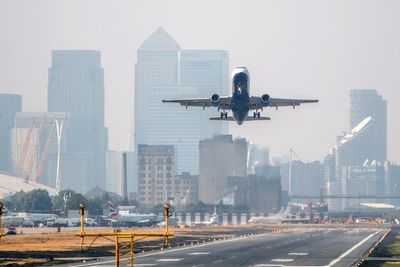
(256, 114)
(224, 114)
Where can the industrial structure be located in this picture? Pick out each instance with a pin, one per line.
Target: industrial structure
(36, 148)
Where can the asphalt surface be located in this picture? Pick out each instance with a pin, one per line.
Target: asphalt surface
(297, 247)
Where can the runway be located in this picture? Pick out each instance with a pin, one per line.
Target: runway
(298, 247)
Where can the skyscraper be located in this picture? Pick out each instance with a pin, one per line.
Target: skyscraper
(76, 86)
(9, 105)
(163, 70)
(220, 157)
(367, 103)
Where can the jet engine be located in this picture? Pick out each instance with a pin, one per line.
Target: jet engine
(215, 100)
(265, 98)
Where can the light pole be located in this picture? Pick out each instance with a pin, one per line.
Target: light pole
(59, 127)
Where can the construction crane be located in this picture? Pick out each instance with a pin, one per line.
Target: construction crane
(43, 159)
(34, 155)
(21, 163)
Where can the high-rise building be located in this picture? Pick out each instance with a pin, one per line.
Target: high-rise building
(220, 157)
(208, 72)
(393, 182)
(76, 86)
(307, 178)
(349, 151)
(263, 195)
(257, 157)
(367, 103)
(185, 189)
(259, 193)
(116, 176)
(9, 105)
(366, 180)
(162, 71)
(156, 169)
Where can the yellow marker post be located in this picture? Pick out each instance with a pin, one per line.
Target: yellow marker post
(127, 235)
(1, 214)
(167, 206)
(82, 213)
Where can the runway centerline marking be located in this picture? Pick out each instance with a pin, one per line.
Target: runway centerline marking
(282, 260)
(199, 253)
(169, 260)
(298, 254)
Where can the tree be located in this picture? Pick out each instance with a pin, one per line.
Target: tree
(14, 201)
(37, 200)
(69, 200)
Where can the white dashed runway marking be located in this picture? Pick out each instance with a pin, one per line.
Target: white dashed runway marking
(298, 254)
(282, 260)
(199, 253)
(169, 260)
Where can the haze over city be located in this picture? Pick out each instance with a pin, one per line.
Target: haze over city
(301, 49)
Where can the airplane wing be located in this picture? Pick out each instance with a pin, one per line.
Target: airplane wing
(258, 103)
(223, 103)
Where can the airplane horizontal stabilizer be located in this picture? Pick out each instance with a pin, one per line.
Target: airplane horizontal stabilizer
(230, 118)
(249, 118)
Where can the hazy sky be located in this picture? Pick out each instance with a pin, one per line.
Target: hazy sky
(304, 49)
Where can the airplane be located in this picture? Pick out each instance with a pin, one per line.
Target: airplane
(240, 103)
(272, 219)
(213, 220)
(125, 217)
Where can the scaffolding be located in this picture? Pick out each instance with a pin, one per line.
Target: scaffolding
(124, 241)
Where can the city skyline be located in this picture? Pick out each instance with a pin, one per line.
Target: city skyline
(322, 61)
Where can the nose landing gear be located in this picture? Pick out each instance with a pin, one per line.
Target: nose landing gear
(224, 114)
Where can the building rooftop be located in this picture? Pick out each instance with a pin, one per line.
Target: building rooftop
(160, 40)
(11, 184)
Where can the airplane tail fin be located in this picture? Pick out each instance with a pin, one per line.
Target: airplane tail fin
(112, 209)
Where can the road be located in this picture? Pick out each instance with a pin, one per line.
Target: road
(297, 247)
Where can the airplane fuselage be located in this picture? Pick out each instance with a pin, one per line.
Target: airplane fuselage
(240, 94)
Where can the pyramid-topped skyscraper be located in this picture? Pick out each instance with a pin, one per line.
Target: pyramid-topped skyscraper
(160, 40)
(164, 70)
